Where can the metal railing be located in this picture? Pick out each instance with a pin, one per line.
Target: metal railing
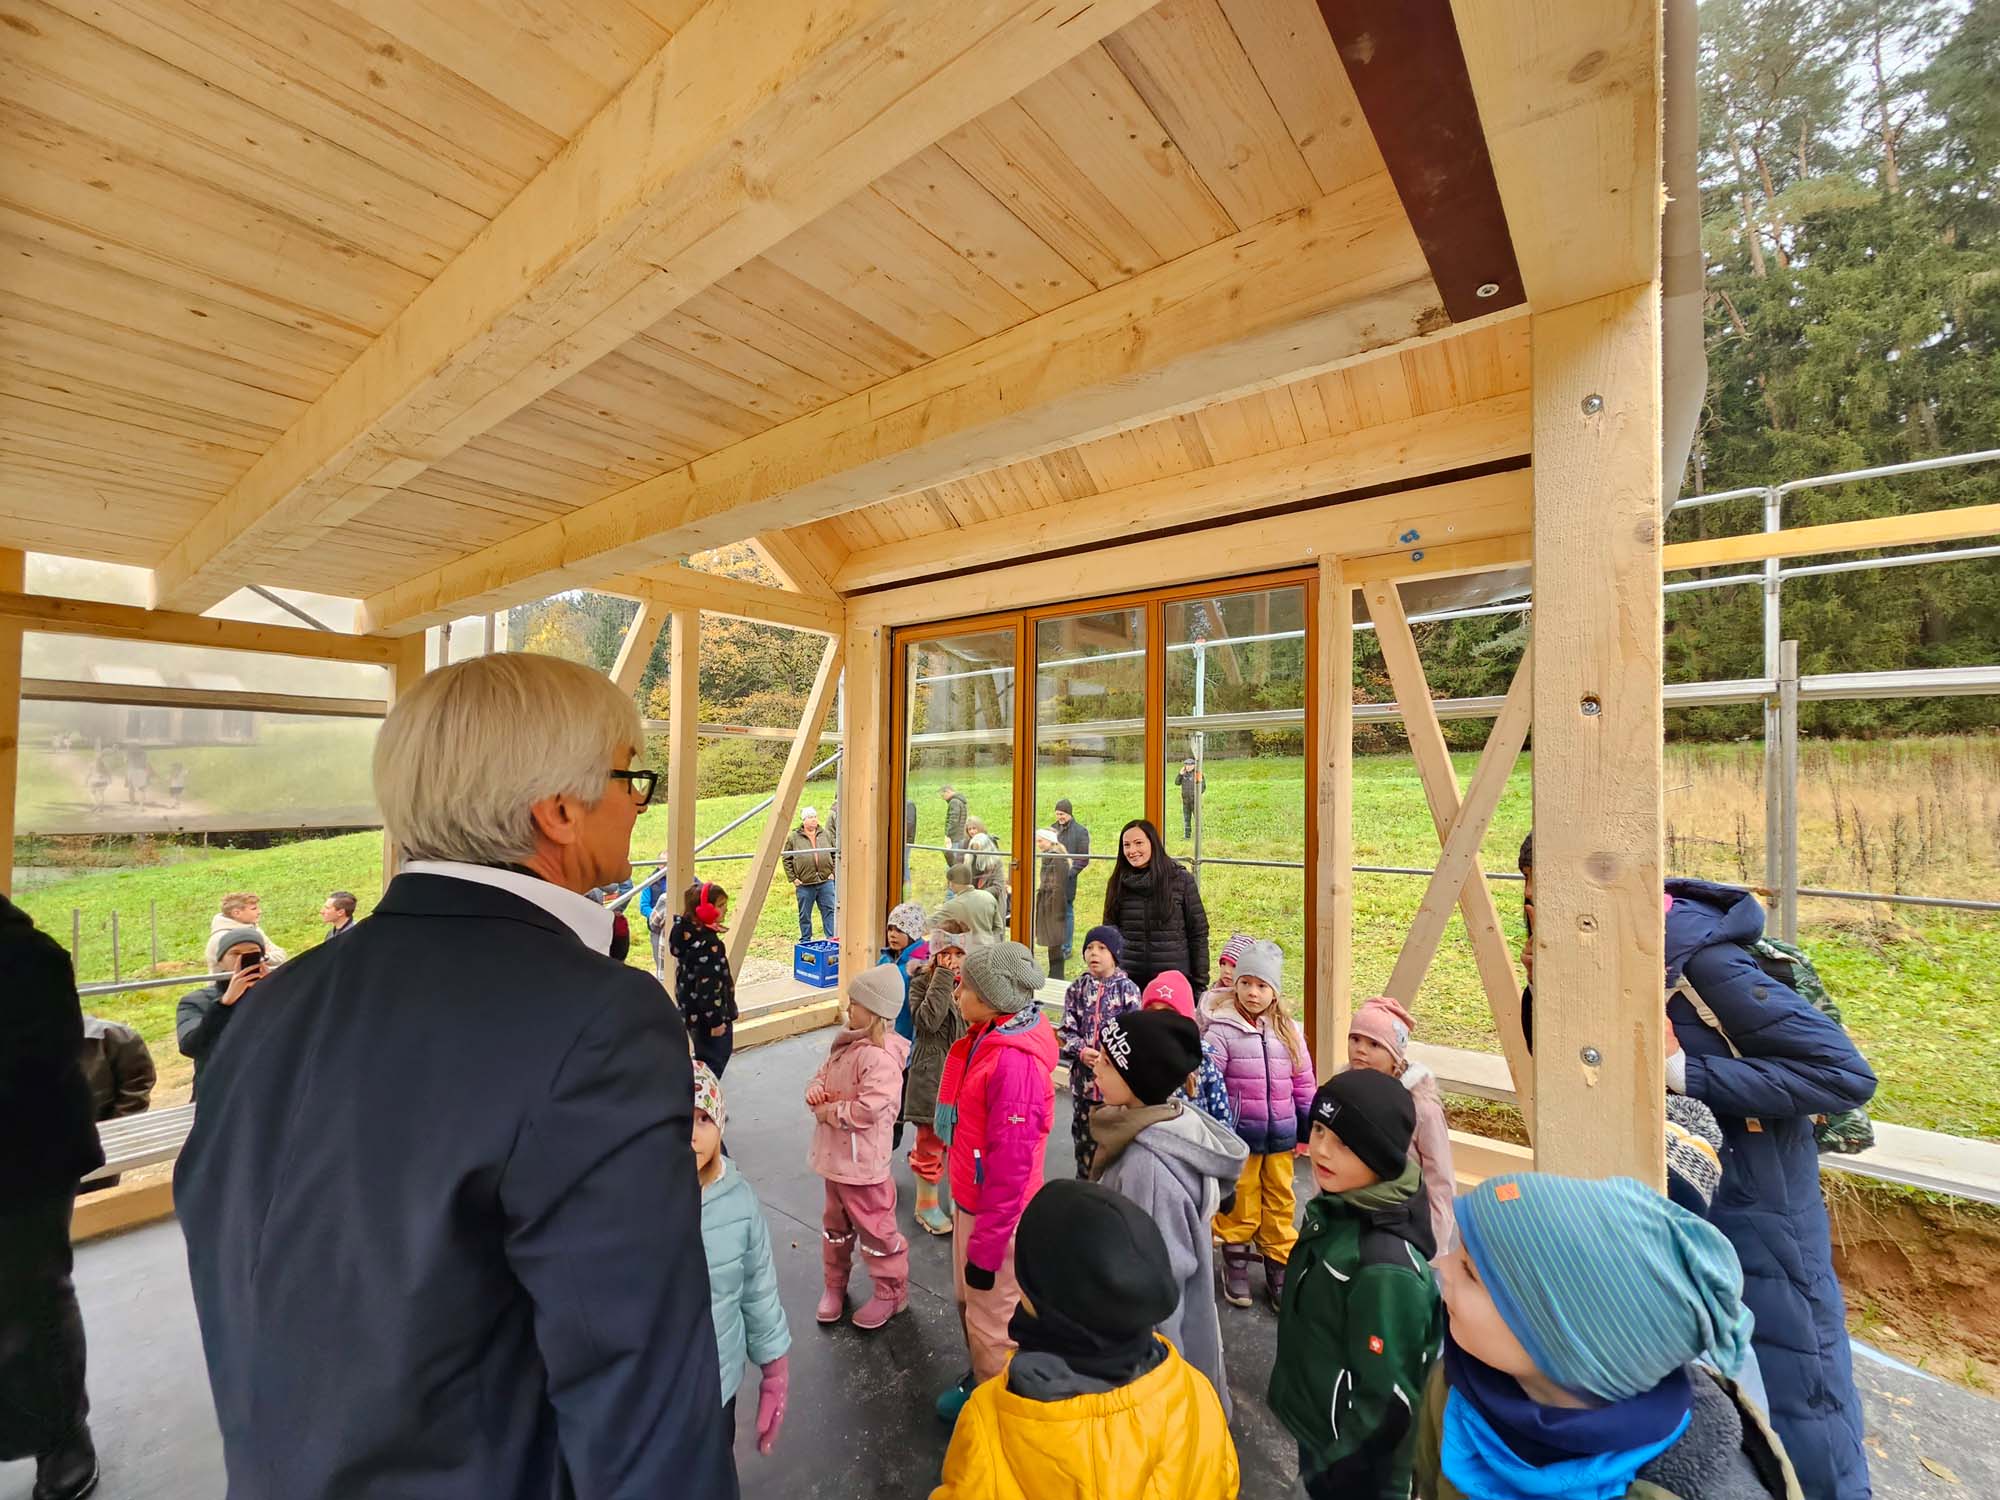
(660, 873)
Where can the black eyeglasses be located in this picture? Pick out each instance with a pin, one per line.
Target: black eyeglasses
(641, 782)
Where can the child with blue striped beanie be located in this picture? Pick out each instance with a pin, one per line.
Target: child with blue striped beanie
(1576, 1312)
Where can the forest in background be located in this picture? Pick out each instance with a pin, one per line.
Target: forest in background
(1850, 178)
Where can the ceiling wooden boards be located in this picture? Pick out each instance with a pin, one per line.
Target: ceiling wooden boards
(754, 119)
(1450, 373)
(210, 207)
(284, 177)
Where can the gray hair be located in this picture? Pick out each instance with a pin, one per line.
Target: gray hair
(465, 754)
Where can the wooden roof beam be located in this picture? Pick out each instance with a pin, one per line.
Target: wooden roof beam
(1569, 98)
(753, 120)
(1309, 291)
(56, 615)
(674, 588)
(1434, 443)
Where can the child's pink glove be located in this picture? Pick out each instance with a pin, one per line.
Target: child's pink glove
(771, 1403)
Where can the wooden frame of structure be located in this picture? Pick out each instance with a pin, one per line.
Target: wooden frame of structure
(947, 307)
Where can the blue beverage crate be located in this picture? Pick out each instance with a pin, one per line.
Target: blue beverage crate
(817, 964)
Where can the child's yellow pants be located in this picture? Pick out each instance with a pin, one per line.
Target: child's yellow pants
(1266, 1208)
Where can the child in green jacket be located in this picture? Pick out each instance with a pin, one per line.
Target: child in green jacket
(1360, 1326)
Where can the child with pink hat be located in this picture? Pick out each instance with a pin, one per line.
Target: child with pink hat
(1378, 1038)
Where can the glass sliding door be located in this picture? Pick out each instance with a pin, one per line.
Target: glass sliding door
(1189, 706)
(1235, 764)
(959, 713)
(1089, 770)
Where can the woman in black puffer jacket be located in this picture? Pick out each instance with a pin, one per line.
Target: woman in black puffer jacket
(1156, 905)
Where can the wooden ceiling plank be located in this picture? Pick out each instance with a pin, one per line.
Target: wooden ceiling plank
(731, 309)
(1438, 442)
(885, 273)
(1110, 131)
(140, 413)
(938, 193)
(133, 368)
(777, 115)
(1186, 62)
(1569, 99)
(1007, 152)
(1289, 46)
(179, 278)
(235, 365)
(719, 362)
(326, 71)
(545, 73)
(1336, 282)
(56, 172)
(160, 115)
(112, 294)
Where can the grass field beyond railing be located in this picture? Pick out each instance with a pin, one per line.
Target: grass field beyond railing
(1920, 988)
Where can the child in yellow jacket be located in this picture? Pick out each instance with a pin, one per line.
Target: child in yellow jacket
(1093, 1401)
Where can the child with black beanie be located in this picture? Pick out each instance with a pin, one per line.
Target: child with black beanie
(1356, 1343)
(1173, 1161)
(1093, 1401)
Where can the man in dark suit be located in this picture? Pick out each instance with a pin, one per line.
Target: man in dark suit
(442, 1218)
(45, 1119)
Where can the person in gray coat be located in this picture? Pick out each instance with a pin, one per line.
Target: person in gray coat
(1174, 1162)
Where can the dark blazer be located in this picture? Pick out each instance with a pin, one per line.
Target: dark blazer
(45, 1114)
(442, 1220)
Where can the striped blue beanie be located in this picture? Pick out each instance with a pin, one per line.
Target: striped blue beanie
(1609, 1286)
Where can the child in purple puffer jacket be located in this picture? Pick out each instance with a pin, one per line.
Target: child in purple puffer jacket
(1271, 1082)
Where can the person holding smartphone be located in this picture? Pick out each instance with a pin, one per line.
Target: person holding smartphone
(202, 1014)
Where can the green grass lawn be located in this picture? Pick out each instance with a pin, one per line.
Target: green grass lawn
(1917, 989)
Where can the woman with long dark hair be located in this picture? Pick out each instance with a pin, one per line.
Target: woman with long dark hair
(1156, 905)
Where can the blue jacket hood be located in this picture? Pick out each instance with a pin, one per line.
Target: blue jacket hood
(1704, 914)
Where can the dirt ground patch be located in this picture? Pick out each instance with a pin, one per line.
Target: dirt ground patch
(1920, 1270)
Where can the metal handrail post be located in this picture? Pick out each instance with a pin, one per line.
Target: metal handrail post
(1773, 733)
(1788, 811)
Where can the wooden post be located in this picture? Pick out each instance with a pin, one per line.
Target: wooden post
(1331, 1003)
(637, 647)
(683, 750)
(1599, 941)
(1475, 899)
(864, 811)
(13, 580)
(778, 823)
(404, 673)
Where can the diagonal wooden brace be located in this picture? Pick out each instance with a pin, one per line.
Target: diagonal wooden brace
(1497, 975)
(1460, 861)
(778, 822)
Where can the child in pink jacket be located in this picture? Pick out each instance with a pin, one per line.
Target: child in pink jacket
(995, 1107)
(1379, 1038)
(854, 1097)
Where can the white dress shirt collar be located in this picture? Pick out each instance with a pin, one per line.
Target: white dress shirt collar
(581, 915)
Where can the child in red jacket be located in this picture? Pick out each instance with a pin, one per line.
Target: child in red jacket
(995, 1107)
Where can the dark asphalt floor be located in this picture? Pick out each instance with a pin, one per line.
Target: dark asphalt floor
(860, 1422)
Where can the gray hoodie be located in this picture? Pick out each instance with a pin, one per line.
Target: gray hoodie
(1175, 1163)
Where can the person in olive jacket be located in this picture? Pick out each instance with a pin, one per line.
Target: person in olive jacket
(46, 1120)
(1156, 904)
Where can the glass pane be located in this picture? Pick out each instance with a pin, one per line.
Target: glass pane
(91, 768)
(1236, 768)
(960, 713)
(1090, 751)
